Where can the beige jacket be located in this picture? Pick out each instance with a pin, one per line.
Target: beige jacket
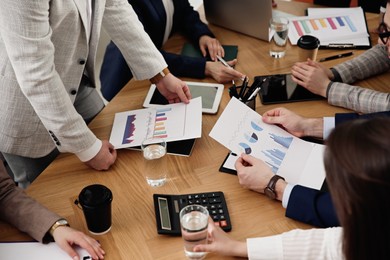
(43, 53)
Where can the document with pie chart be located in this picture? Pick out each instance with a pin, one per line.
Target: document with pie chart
(241, 130)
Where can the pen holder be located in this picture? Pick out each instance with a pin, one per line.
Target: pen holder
(233, 92)
(251, 103)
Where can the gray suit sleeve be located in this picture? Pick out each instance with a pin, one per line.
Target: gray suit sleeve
(370, 63)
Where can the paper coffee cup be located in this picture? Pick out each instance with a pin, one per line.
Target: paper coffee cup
(308, 47)
(95, 201)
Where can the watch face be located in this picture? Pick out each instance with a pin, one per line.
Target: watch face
(62, 222)
(269, 193)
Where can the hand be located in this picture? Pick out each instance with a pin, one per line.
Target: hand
(274, 4)
(219, 242)
(313, 76)
(293, 123)
(173, 89)
(65, 237)
(253, 173)
(221, 73)
(104, 158)
(212, 46)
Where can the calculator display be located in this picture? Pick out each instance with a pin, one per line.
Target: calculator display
(164, 213)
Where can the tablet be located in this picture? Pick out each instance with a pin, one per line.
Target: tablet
(211, 94)
(282, 89)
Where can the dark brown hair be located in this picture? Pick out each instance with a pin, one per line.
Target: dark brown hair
(357, 163)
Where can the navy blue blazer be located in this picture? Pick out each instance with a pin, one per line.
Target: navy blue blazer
(115, 72)
(313, 206)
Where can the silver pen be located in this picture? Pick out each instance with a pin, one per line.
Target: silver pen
(223, 62)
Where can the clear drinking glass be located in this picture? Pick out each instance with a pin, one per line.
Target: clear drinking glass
(279, 29)
(194, 223)
(155, 161)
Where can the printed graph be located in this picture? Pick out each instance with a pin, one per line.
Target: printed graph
(160, 129)
(314, 25)
(129, 130)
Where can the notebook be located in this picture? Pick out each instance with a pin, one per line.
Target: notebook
(250, 17)
(192, 51)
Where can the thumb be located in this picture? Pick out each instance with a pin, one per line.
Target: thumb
(202, 248)
(248, 158)
(272, 120)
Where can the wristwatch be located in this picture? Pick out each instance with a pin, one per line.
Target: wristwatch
(159, 76)
(269, 191)
(58, 223)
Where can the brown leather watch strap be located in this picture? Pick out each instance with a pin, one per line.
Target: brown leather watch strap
(159, 76)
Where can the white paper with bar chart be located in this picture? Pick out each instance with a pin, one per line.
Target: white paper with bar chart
(172, 122)
(331, 26)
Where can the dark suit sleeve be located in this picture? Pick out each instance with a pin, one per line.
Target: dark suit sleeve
(187, 21)
(22, 211)
(343, 117)
(311, 206)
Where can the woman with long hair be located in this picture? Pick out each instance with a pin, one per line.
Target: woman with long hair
(357, 164)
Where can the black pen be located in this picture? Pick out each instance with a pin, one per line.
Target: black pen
(244, 86)
(342, 55)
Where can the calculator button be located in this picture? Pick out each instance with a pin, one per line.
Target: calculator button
(213, 206)
(220, 211)
(221, 216)
(190, 202)
(215, 200)
(190, 197)
(213, 212)
(223, 223)
(212, 195)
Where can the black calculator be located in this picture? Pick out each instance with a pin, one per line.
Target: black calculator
(167, 208)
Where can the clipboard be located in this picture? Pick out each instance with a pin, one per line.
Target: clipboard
(343, 44)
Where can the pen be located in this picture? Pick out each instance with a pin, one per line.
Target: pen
(342, 55)
(257, 89)
(244, 86)
(226, 65)
(223, 62)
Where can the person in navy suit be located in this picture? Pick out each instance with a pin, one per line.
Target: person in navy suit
(161, 19)
(304, 204)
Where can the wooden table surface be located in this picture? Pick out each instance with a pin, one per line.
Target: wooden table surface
(133, 234)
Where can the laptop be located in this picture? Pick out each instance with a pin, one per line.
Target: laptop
(250, 17)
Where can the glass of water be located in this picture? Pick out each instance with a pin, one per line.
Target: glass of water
(279, 30)
(155, 161)
(194, 223)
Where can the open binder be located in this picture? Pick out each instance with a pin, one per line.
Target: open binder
(343, 28)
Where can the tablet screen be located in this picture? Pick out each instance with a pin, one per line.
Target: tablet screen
(211, 95)
(282, 89)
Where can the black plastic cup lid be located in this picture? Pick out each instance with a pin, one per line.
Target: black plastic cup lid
(95, 195)
(308, 42)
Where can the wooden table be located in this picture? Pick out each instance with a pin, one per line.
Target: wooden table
(133, 234)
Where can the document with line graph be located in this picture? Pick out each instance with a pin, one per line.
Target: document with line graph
(172, 122)
(241, 130)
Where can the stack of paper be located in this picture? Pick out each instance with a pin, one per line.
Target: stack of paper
(332, 26)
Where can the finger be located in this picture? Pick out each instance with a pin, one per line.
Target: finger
(70, 251)
(249, 159)
(203, 50)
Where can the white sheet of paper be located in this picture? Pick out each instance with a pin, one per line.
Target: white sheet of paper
(241, 130)
(172, 122)
(331, 25)
(37, 251)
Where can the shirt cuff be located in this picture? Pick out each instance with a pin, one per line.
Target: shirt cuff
(265, 247)
(286, 194)
(91, 152)
(329, 124)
